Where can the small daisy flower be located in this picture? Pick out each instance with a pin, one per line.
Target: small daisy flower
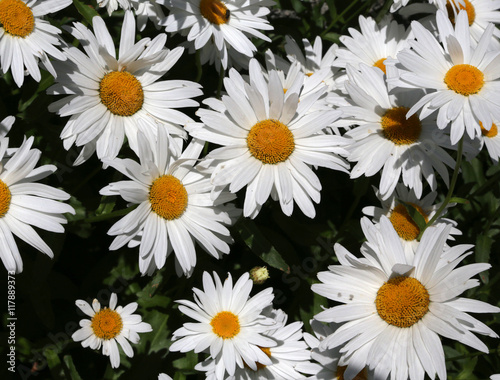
(464, 80)
(147, 9)
(270, 141)
(175, 208)
(24, 203)
(229, 324)
(26, 39)
(110, 99)
(394, 309)
(230, 24)
(491, 140)
(385, 141)
(113, 5)
(109, 326)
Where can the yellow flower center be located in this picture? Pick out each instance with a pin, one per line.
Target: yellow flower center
(267, 351)
(380, 64)
(214, 11)
(491, 133)
(363, 375)
(402, 301)
(168, 197)
(469, 8)
(16, 18)
(404, 225)
(106, 324)
(225, 325)
(121, 93)
(400, 130)
(464, 79)
(270, 141)
(5, 198)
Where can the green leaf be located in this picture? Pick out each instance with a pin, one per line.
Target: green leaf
(159, 338)
(483, 250)
(86, 10)
(415, 215)
(68, 361)
(54, 363)
(188, 362)
(459, 200)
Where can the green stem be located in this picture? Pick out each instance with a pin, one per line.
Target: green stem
(199, 68)
(448, 197)
(109, 215)
(340, 16)
(221, 81)
(471, 355)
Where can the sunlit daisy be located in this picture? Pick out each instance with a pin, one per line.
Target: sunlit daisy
(270, 141)
(26, 39)
(229, 324)
(175, 208)
(464, 80)
(109, 96)
(109, 326)
(396, 309)
(25, 203)
(230, 24)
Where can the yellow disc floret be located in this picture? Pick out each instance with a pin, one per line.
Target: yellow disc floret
(168, 197)
(402, 301)
(380, 64)
(469, 8)
(404, 225)
(464, 79)
(5, 198)
(270, 141)
(400, 130)
(214, 11)
(225, 325)
(121, 93)
(106, 324)
(16, 18)
(491, 133)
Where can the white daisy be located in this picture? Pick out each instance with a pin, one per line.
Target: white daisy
(175, 208)
(495, 377)
(228, 23)
(5, 125)
(113, 5)
(491, 140)
(394, 308)
(24, 203)
(464, 80)
(270, 141)
(147, 9)
(108, 96)
(229, 324)
(385, 140)
(109, 326)
(163, 376)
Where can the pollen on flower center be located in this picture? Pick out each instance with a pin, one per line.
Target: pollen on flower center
(402, 301)
(380, 64)
(270, 141)
(5, 198)
(363, 375)
(469, 8)
(168, 197)
(225, 325)
(400, 130)
(121, 93)
(16, 18)
(214, 11)
(267, 351)
(464, 79)
(404, 225)
(106, 324)
(491, 133)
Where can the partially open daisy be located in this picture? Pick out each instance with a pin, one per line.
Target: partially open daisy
(108, 326)
(463, 80)
(109, 96)
(24, 203)
(26, 39)
(229, 324)
(396, 309)
(175, 208)
(230, 24)
(270, 141)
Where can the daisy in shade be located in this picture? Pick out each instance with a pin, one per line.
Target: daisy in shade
(229, 24)
(26, 39)
(491, 140)
(143, 9)
(229, 324)
(394, 309)
(108, 326)
(110, 99)
(24, 203)
(463, 81)
(270, 141)
(408, 231)
(175, 208)
(385, 141)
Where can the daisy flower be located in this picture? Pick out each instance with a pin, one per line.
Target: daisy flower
(463, 80)
(270, 141)
(228, 23)
(495, 377)
(26, 39)
(385, 141)
(396, 309)
(5, 125)
(147, 9)
(111, 98)
(109, 326)
(175, 208)
(229, 324)
(24, 203)
(491, 140)
(113, 5)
